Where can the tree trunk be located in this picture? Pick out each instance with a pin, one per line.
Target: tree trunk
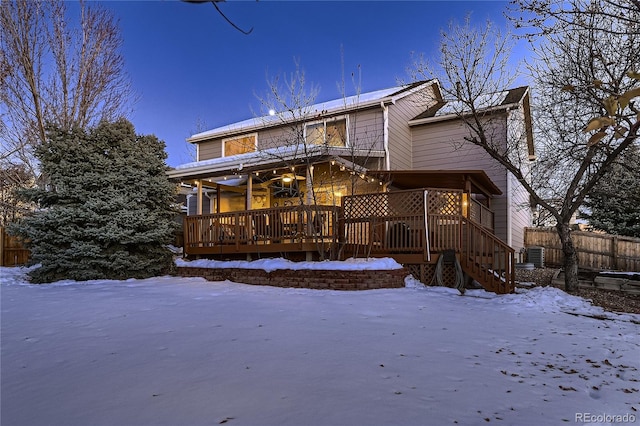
(570, 263)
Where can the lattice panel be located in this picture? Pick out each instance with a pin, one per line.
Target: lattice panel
(406, 203)
(441, 202)
(424, 273)
(384, 204)
(364, 206)
(415, 271)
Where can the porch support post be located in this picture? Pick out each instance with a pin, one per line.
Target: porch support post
(249, 192)
(309, 195)
(217, 198)
(199, 195)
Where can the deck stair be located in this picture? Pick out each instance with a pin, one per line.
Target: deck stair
(416, 226)
(487, 259)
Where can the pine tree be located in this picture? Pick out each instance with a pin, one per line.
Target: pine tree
(614, 204)
(107, 213)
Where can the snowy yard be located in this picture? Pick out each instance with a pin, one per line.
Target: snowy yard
(183, 351)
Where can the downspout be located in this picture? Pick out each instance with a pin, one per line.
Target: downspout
(509, 206)
(385, 137)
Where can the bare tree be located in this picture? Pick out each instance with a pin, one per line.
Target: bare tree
(53, 72)
(11, 207)
(585, 81)
(543, 17)
(289, 103)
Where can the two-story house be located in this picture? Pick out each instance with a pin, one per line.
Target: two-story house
(381, 173)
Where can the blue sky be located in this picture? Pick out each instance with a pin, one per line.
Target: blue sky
(193, 71)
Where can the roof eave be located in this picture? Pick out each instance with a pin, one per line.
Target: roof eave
(453, 116)
(237, 165)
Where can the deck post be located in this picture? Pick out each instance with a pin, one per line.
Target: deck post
(199, 187)
(249, 193)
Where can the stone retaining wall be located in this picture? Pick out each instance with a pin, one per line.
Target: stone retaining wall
(315, 279)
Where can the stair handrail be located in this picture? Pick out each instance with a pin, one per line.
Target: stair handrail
(480, 244)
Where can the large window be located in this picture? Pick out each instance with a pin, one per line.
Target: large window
(329, 132)
(239, 145)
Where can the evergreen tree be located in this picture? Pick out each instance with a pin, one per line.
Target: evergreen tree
(614, 204)
(107, 213)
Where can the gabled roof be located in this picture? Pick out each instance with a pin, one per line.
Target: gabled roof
(494, 102)
(497, 100)
(360, 101)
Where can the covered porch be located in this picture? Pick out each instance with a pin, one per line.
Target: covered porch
(333, 208)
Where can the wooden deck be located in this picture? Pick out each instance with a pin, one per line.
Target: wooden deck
(413, 227)
(296, 229)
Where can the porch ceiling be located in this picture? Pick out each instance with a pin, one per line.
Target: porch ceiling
(449, 179)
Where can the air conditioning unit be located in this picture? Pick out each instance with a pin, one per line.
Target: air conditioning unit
(535, 255)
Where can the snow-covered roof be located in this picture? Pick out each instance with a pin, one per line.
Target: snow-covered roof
(272, 157)
(361, 100)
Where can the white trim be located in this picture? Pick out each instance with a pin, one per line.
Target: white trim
(453, 116)
(245, 135)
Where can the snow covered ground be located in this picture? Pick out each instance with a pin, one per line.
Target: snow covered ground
(184, 351)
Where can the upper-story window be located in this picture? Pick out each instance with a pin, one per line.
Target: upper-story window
(332, 132)
(239, 145)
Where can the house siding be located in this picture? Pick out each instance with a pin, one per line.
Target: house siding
(441, 146)
(366, 129)
(400, 134)
(365, 132)
(521, 216)
(520, 213)
(209, 149)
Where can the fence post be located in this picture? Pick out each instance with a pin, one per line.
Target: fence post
(1, 246)
(614, 253)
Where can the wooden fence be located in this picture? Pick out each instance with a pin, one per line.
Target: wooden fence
(12, 251)
(595, 251)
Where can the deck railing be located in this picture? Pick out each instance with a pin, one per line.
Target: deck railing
(404, 224)
(481, 214)
(430, 221)
(262, 226)
(410, 221)
(487, 259)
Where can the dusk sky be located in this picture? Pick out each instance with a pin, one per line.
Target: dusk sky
(193, 71)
